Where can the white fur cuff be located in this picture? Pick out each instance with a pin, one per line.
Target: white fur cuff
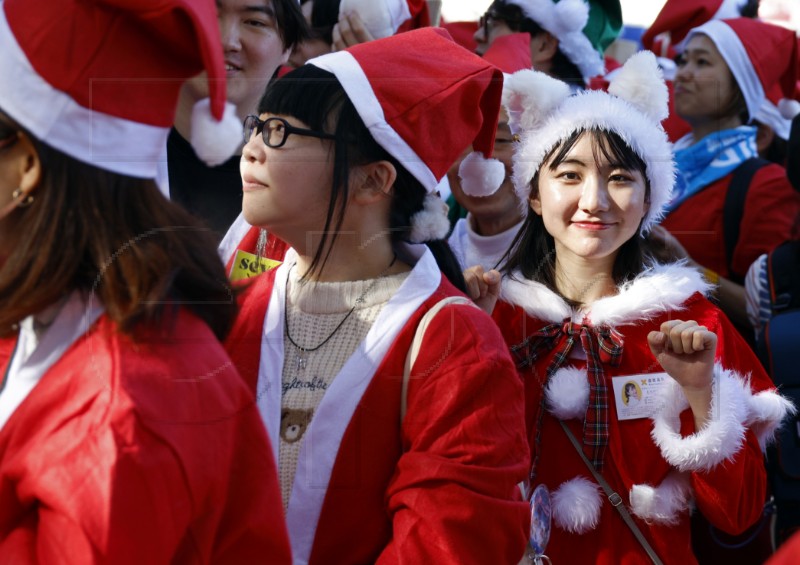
(567, 393)
(576, 505)
(767, 411)
(662, 504)
(720, 439)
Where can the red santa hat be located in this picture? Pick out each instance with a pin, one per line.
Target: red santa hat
(749, 48)
(423, 97)
(99, 80)
(482, 177)
(678, 17)
(541, 108)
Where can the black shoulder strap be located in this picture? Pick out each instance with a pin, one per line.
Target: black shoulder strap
(783, 267)
(733, 210)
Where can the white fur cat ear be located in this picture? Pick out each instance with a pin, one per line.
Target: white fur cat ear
(641, 83)
(530, 97)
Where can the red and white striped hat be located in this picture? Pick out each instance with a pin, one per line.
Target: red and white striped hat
(99, 79)
(423, 98)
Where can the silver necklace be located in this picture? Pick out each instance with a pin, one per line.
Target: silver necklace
(302, 352)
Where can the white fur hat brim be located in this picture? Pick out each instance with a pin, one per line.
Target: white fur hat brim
(635, 118)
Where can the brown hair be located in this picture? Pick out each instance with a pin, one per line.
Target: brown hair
(115, 236)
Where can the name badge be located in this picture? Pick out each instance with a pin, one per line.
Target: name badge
(639, 396)
(247, 265)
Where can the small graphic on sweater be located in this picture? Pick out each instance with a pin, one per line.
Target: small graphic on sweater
(313, 384)
(294, 423)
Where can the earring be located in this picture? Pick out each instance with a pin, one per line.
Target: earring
(25, 202)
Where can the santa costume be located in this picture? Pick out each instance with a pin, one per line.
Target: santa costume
(138, 447)
(361, 483)
(572, 359)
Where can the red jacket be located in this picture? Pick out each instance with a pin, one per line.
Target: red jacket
(441, 487)
(657, 465)
(139, 452)
(771, 212)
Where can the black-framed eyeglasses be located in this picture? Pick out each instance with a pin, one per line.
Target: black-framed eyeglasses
(275, 131)
(490, 16)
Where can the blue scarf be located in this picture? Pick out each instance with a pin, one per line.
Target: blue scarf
(710, 159)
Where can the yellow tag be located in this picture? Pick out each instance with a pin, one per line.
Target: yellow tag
(246, 265)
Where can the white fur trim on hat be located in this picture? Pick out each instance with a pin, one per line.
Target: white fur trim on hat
(770, 115)
(480, 176)
(720, 439)
(430, 223)
(215, 141)
(735, 55)
(380, 17)
(567, 393)
(767, 410)
(565, 21)
(662, 504)
(576, 505)
(621, 113)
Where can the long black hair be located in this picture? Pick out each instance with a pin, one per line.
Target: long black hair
(316, 97)
(533, 254)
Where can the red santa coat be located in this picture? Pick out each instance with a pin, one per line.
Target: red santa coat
(441, 487)
(770, 215)
(657, 465)
(139, 452)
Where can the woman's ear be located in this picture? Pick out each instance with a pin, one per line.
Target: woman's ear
(535, 204)
(374, 181)
(29, 166)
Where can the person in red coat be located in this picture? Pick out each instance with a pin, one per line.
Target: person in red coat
(341, 163)
(720, 85)
(126, 434)
(592, 320)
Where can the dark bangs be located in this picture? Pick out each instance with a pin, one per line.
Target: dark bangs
(606, 146)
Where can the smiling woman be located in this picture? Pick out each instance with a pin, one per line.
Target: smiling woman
(586, 312)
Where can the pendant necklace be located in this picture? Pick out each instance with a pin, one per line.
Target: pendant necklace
(301, 362)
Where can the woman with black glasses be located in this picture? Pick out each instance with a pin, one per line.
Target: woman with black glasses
(341, 163)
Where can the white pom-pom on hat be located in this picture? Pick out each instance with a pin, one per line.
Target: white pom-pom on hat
(788, 108)
(570, 16)
(215, 141)
(430, 223)
(480, 176)
(530, 97)
(641, 83)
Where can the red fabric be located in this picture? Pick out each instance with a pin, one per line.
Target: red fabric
(788, 553)
(420, 17)
(510, 53)
(443, 488)
(463, 33)
(632, 456)
(677, 18)
(109, 56)
(145, 452)
(770, 214)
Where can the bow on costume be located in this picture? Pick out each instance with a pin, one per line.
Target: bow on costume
(602, 345)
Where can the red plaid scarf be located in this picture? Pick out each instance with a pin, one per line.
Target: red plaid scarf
(601, 345)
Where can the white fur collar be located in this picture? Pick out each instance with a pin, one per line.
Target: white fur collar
(659, 289)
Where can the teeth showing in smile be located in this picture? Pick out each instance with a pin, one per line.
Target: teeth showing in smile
(229, 67)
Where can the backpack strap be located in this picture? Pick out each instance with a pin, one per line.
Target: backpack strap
(783, 271)
(733, 210)
(413, 351)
